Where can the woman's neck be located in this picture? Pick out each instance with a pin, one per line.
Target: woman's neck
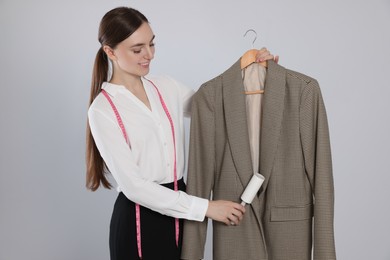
(132, 83)
(135, 86)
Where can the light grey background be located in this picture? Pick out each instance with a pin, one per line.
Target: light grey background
(47, 49)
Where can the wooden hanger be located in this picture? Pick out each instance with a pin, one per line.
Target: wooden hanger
(254, 92)
(248, 58)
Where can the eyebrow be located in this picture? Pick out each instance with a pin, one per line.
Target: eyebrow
(142, 44)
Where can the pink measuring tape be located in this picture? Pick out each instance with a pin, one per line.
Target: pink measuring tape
(137, 207)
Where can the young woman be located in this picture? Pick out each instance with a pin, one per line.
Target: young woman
(136, 133)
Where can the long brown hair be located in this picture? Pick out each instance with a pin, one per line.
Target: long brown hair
(115, 26)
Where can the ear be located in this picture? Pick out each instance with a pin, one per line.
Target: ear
(110, 52)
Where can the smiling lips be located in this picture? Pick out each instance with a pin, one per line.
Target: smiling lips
(145, 64)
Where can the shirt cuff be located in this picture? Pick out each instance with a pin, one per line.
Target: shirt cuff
(198, 209)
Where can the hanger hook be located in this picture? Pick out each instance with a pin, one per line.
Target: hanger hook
(251, 30)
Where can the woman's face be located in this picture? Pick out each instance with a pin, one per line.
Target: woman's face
(133, 55)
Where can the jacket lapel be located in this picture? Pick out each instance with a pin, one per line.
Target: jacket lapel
(236, 121)
(237, 128)
(272, 115)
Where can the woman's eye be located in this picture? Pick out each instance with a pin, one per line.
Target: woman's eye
(137, 51)
(152, 44)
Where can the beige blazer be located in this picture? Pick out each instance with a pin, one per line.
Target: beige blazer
(294, 209)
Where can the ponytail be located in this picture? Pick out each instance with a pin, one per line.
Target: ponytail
(96, 167)
(99, 74)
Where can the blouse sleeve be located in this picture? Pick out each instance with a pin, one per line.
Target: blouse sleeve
(187, 101)
(121, 163)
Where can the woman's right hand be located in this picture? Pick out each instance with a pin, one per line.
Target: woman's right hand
(228, 212)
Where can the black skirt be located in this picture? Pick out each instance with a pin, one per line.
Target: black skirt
(157, 232)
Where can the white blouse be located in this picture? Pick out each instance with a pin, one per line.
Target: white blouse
(139, 171)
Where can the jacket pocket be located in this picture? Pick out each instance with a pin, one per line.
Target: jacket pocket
(291, 213)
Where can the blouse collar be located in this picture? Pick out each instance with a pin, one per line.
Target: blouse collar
(113, 89)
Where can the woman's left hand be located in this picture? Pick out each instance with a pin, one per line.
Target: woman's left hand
(263, 55)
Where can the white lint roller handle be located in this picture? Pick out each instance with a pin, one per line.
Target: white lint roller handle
(252, 188)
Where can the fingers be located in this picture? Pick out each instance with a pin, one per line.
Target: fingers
(236, 214)
(262, 50)
(228, 212)
(239, 207)
(263, 55)
(236, 217)
(276, 58)
(234, 220)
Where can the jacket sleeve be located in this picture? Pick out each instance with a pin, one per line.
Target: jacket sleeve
(318, 166)
(201, 167)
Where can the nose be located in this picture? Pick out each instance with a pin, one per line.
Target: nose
(149, 52)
